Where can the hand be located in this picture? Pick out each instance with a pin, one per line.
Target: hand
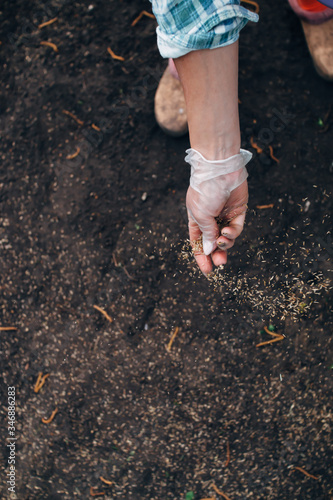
(216, 201)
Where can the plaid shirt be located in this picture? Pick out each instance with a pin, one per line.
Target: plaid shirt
(188, 25)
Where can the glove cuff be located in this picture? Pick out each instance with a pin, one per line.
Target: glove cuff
(204, 170)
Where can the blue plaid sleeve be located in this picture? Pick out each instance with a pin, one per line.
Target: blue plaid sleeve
(189, 25)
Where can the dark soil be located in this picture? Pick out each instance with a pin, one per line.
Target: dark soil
(107, 227)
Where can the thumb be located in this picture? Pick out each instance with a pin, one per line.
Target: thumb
(210, 233)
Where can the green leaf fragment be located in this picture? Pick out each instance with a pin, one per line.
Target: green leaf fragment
(189, 495)
(271, 328)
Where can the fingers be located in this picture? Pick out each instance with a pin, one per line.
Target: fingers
(204, 261)
(231, 232)
(219, 258)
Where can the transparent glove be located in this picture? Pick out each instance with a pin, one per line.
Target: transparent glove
(213, 184)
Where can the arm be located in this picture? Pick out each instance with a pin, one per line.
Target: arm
(210, 82)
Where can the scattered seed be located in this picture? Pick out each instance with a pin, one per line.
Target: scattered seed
(103, 312)
(143, 13)
(50, 44)
(49, 420)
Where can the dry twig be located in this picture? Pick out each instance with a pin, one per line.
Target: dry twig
(114, 258)
(261, 207)
(68, 113)
(219, 492)
(277, 338)
(128, 274)
(306, 473)
(176, 330)
(95, 127)
(47, 23)
(7, 328)
(272, 155)
(255, 146)
(49, 420)
(143, 13)
(50, 44)
(96, 493)
(106, 481)
(227, 462)
(74, 155)
(251, 2)
(103, 312)
(40, 381)
(114, 56)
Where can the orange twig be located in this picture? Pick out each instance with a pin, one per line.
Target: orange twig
(49, 420)
(143, 13)
(51, 21)
(7, 328)
(68, 113)
(251, 2)
(105, 481)
(96, 493)
(255, 146)
(219, 492)
(271, 154)
(277, 338)
(50, 44)
(95, 127)
(113, 55)
(227, 462)
(40, 381)
(103, 312)
(272, 333)
(269, 342)
(261, 207)
(74, 155)
(306, 473)
(172, 338)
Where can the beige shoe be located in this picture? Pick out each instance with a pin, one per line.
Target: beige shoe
(319, 38)
(170, 108)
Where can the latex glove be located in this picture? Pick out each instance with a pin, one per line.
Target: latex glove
(217, 189)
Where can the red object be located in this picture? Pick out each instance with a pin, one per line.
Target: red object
(311, 5)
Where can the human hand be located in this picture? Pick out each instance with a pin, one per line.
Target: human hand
(217, 196)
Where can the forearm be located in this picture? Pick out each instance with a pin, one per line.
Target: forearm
(210, 82)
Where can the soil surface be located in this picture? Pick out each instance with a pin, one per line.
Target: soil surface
(92, 213)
